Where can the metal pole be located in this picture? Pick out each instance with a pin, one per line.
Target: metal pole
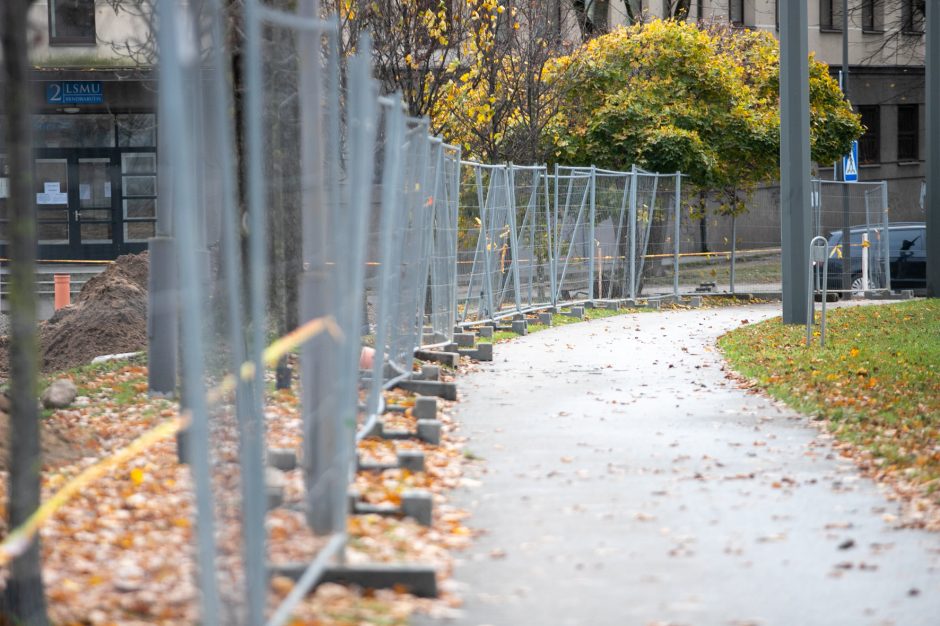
(932, 62)
(632, 222)
(846, 224)
(734, 248)
(677, 233)
(591, 235)
(794, 158)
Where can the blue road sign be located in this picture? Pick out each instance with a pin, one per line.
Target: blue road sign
(850, 165)
(75, 92)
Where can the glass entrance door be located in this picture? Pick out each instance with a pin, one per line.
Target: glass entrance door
(76, 198)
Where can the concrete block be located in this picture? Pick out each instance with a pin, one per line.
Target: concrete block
(419, 580)
(425, 408)
(518, 317)
(464, 340)
(274, 496)
(429, 431)
(576, 311)
(430, 372)
(653, 304)
(418, 505)
(411, 460)
(484, 352)
(520, 327)
(612, 305)
(545, 319)
(449, 347)
(450, 359)
(485, 331)
(448, 391)
(182, 445)
(282, 459)
(907, 294)
(630, 304)
(695, 301)
(590, 304)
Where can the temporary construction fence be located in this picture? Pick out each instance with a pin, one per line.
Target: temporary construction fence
(535, 239)
(393, 241)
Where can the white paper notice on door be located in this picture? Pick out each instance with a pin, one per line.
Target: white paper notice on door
(52, 198)
(4, 187)
(50, 187)
(107, 189)
(84, 191)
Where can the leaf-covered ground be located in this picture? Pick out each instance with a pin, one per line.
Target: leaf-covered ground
(875, 385)
(122, 552)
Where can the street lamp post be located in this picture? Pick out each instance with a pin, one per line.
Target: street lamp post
(794, 158)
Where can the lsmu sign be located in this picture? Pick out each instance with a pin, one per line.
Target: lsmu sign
(75, 92)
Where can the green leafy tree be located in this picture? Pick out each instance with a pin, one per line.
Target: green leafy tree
(671, 96)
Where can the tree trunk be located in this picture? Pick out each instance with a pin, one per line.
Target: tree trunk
(24, 600)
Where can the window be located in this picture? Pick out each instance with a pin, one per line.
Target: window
(869, 21)
(912, 16)
(72, 22)
(736, 12)
(908, 122)
(869, 146)
(830, 15)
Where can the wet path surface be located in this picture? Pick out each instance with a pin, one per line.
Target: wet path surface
(626, 481)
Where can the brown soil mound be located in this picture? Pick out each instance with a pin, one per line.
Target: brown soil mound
(108, 316)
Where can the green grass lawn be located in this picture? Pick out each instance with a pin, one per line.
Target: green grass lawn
(877, 380)
(563, 320)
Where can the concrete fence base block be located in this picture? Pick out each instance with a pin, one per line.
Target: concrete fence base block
(182, 445)
(363, 466)
(448, 391)
(353, 497)
(449, 347)
(395, 434)
(430, 372)
(575, 311)
(654, 304)
(282, 459)
(695, 301)
(274, 494)
(450, 359)
(612, 305)
(630, 304)
(484, 352)
(485, 331)
(590, 304)
(518, 317)
(425, 408)
(418, 505)
(907, 294)
(464, 340)
(419, 580)
(520, 327)
(411, 460)
(545, 319)
(429, 431)
(385, 510)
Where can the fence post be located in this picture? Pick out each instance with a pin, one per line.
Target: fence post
(552, 251)
(513, 235)
(677, 233)
(886, 239)
(734, 247)
(633, 226)
(591, 234)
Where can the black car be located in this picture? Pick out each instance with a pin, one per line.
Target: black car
(907, 256)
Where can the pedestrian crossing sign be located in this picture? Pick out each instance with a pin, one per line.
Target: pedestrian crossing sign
(850, 165)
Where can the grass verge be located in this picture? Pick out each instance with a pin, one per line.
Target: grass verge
(877, 381)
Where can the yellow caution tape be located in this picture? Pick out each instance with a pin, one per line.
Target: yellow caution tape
(20, 538)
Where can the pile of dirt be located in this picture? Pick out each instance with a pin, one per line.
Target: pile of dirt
(108, 316)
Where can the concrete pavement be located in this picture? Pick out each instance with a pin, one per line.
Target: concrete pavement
(626, 481)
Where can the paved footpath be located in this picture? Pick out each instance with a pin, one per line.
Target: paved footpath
(626, 482)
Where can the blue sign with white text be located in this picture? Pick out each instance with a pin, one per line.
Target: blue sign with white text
(850, 165)
(75, 92)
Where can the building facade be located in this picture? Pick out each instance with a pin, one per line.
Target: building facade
(95, 129)
(886, 74)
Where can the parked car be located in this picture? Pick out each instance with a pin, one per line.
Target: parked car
(907, 256)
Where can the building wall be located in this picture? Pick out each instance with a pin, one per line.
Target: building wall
(116, 32)
(886, 70)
